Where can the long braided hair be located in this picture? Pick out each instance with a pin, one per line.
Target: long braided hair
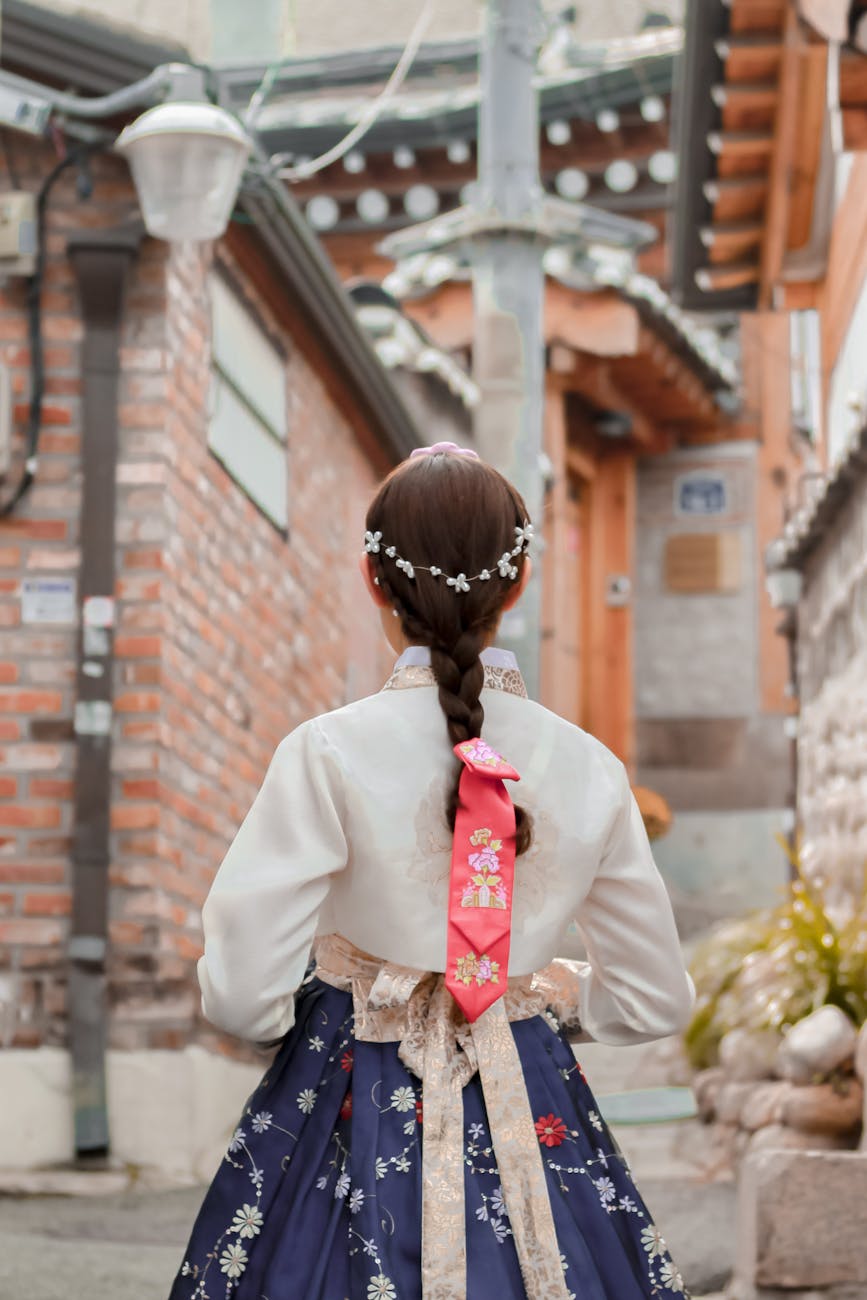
(460, 514)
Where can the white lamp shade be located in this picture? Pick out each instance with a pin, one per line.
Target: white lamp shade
(187, 161)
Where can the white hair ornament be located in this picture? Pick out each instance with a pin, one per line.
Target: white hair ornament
(459, 582)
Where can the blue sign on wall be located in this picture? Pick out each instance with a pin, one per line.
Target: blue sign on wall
(703, 494)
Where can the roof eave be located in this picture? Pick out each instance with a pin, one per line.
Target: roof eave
(695, 116)
(327, 308)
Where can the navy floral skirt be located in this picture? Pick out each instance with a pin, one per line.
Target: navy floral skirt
(319, 1194)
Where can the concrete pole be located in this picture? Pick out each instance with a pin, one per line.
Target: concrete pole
(508, 286)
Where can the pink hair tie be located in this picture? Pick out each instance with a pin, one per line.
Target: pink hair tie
(444, 447)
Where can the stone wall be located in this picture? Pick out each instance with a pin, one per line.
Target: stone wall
(832, 645)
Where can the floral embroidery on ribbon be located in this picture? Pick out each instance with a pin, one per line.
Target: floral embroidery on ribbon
(477, 751)
(481, 969)
(486, 887)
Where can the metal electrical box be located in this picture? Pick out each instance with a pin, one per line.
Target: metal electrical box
(17, 233)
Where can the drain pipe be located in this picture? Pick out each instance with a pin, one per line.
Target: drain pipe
(100, 260)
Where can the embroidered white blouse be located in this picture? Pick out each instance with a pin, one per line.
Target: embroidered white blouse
(348, 835)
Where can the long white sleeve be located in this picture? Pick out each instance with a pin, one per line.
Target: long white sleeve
(634, 987)
(260, 916)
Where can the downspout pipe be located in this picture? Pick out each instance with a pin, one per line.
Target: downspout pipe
(100, 260)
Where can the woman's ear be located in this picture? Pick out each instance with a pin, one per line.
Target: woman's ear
(520, 586)
(377, 595)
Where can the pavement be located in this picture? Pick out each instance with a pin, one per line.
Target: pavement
(114, 1237)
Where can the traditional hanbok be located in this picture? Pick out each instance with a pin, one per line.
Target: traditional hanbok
(399, 1148)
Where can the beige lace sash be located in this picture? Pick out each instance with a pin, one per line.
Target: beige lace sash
(397, 1004)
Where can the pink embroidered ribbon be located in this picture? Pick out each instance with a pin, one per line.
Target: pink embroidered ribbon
(482, 880)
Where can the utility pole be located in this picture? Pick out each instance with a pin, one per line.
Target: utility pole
(508, 287)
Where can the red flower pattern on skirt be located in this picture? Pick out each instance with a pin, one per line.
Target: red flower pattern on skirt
(346, 1108)
(346, 1061)
(551, 1130)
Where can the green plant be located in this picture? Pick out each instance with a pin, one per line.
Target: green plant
(772, 968)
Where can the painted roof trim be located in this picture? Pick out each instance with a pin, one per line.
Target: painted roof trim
(808, 526)
(695, 115)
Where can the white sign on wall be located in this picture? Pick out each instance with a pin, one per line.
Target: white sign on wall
(700, 494)
(48, 600)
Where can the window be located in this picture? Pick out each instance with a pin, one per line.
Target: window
(247, 428)
(847, 404)
(806, 373)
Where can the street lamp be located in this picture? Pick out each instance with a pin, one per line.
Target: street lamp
(186, 154)
(187, 161)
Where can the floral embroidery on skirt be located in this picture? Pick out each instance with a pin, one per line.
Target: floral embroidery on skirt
(319, 1194)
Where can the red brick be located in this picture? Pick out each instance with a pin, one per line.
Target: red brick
(138, 647)
(8, 787)
(56, 415)
(30, 702)
(43, 530)
(10, 557)
(136, 818)
(9, 730)
(50, 846)
(8, 674)
(33, 932)
(143, 560)
(47, 904)
(48, 788)
(10, 616)
(66, 444)
(31, 873)
(7, 904)
(145, 788)
(136, 702)
(36, 816)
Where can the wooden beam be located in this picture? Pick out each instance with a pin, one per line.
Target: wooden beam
(749, 58)
(594, 380)
(712, 278)
(739, 144)
(855, 129)
(809, 133)
(580, 463)
(801, 296)
(853, 79)
(760, 95)
(608, 629)
(737, 199)
(731, 241)
(782, 161)
(752, 17)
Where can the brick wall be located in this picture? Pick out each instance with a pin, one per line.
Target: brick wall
(833, 681)
(227, 635)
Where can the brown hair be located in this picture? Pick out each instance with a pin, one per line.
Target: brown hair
(460, 514)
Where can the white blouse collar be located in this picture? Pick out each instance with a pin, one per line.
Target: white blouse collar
(418, 656)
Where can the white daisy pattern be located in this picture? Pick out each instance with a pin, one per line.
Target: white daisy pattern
(233, 1260)
(381, 1287)
(306, 1100)
(248, 1221)
(403, 1099)
(671, 1277)
(313, 1075)
(653, 1241)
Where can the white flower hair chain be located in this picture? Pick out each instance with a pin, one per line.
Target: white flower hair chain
(505, 565)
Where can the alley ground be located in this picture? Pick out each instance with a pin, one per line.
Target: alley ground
(127, 1241)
